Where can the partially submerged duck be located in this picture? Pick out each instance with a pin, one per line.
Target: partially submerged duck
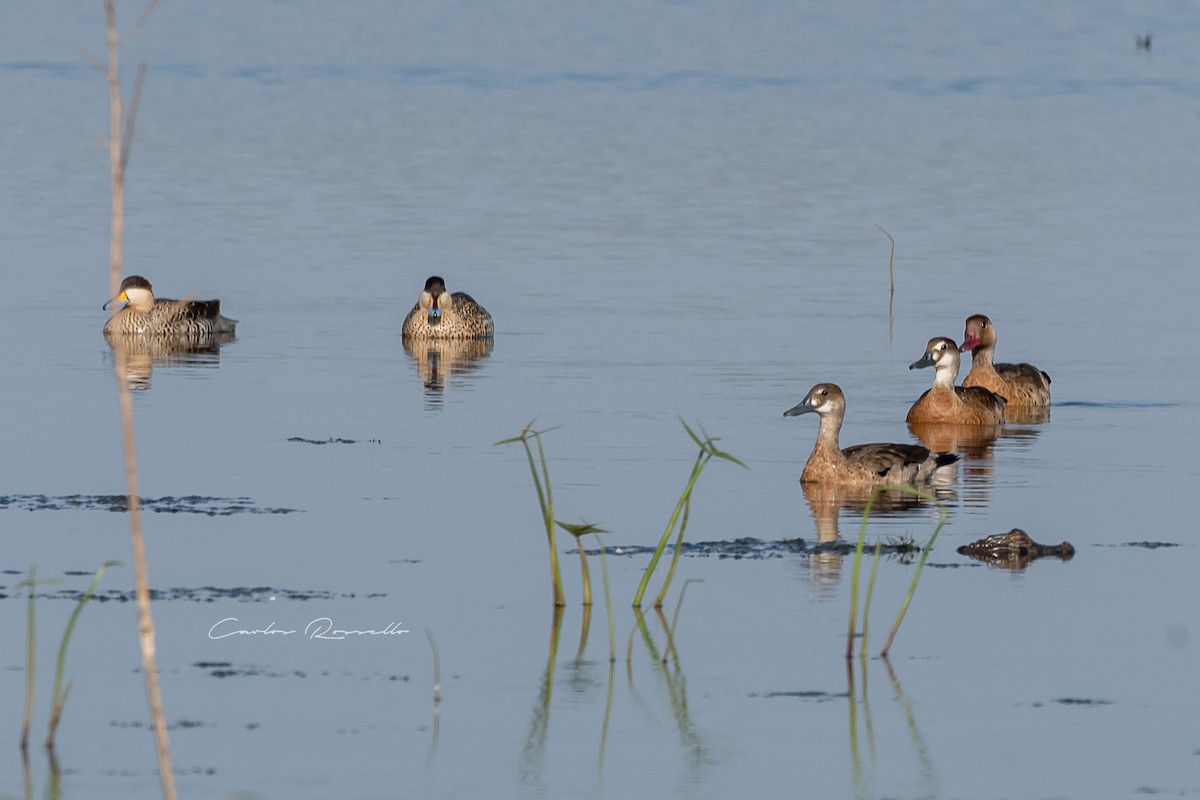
(439, 314)
(864, 463)
(143, 315)
(945, 402)
(1022, 385)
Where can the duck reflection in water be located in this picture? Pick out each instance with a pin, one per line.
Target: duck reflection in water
(438, 360)
(137, 363)
(828, 501)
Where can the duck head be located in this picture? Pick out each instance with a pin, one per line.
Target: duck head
(135, 291)
(978, 333)
(822, 399)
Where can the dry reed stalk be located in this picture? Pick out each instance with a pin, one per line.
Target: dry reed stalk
(118, 151)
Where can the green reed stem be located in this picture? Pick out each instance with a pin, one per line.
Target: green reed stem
(858, 551)
(862, 531)
(585, 576)
(612, 631)
(870, 591)
(675, 620)
(702, 461)
(545, 498)
(59, 697)
(925, 551)
(708, 451)
(30, 654)
(579, 530)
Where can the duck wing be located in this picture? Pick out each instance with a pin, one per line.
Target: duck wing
(1022, 372)
(190, 309)
(882, 458)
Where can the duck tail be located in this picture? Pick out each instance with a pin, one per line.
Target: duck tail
(945, 459)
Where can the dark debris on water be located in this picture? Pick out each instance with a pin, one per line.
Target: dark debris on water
(748, 547)
(203, 594)
(188, 504)
(226, 669)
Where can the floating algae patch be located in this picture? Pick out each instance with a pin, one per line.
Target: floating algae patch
(188, 504)
(227, 669)
(205, 594)
(1149, 545)
(819, 697)
(751, 548)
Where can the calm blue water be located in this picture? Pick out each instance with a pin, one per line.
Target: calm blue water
(669, 210)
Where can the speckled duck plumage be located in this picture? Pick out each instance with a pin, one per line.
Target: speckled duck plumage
(438, 314)
(146, 316)
(863, 464)
(945, 402)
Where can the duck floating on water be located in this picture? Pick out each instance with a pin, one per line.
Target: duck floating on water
(143, 315)
(863, 464)
(439, 314)
(945, 402)
(1022, 385)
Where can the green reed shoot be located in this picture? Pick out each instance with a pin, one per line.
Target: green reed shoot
(578, 530)
(708, 451)
(31, 583)
(612, 631)
(59, 697)
(545, 498)
(870, 591)
(925, 550)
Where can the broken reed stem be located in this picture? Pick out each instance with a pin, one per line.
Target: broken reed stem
(437, 672)
(118, 153)
(891, 272)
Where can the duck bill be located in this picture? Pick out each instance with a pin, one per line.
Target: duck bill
(970, 344)
(925, 361)
(803, 407)
(434, 313)
(121, 298)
